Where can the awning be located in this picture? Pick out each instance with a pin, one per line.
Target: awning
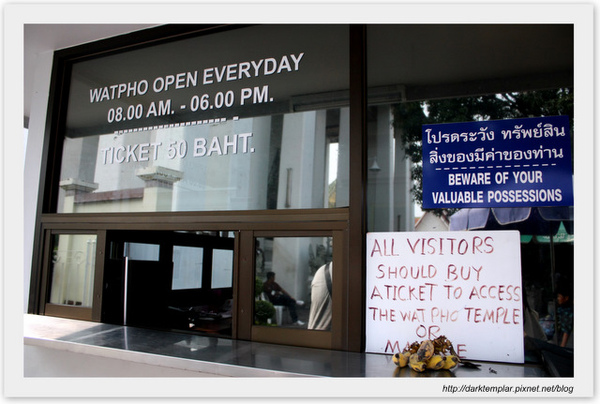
(542, 221)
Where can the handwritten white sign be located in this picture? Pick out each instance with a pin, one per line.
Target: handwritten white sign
(463, 285)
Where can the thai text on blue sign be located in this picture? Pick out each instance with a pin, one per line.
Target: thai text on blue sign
(503, 163)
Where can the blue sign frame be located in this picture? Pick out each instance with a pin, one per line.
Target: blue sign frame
(503, 163)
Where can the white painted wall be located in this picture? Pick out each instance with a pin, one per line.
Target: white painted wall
(33, 158)
(37, 51)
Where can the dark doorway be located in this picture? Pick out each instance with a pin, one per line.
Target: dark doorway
(170, 280)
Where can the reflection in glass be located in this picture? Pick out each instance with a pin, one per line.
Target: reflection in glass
(429, 96)
(471, 87)
(187, 267)
(73, 267)
(283, 161)
(321, 304)
(142, 251)
(255, 140)
(294, 275)
(222, 269)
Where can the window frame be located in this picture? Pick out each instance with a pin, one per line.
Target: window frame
(313, 338)
(347, 224)
(58, 310)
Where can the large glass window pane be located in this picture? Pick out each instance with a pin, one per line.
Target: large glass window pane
(73, 267)
(437, 73)
(247, 119)
(464, 73)
(294, 282)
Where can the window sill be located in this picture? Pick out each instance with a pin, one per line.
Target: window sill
(220, 357)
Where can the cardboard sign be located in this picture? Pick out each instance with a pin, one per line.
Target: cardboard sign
(511, 162)
(463, 285)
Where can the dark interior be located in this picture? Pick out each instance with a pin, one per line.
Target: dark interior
(141, 292)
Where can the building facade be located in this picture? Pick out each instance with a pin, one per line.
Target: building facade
(184, 163)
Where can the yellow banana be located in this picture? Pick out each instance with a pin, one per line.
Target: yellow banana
(436, 362)
(415, 364)
(396, 358)
(406, 357)
(401, 358)
(450, 362)
(428, 355)
(425, 351)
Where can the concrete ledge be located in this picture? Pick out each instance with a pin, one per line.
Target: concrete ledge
(58, 347)
(51, 349)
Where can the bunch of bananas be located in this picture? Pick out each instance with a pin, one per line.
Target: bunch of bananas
(428, 355)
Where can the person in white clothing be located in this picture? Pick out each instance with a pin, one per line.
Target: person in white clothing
(321, 303)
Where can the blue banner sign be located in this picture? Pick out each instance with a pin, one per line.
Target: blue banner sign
(504, 163)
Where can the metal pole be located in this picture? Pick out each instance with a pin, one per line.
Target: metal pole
(553, 274)
(125, 291)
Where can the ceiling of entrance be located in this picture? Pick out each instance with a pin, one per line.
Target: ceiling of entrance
(39, 39)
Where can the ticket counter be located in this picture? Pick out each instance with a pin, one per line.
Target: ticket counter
(185, 163)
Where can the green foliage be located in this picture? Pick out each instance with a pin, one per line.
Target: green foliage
(410, 116)
(258, 286)
(263, 310)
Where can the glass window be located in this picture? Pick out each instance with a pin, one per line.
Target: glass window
(222, 269)
(187, 267)
(408, 88)
(464, 73)
(240, 120)
(294, 282)
(73, 267)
